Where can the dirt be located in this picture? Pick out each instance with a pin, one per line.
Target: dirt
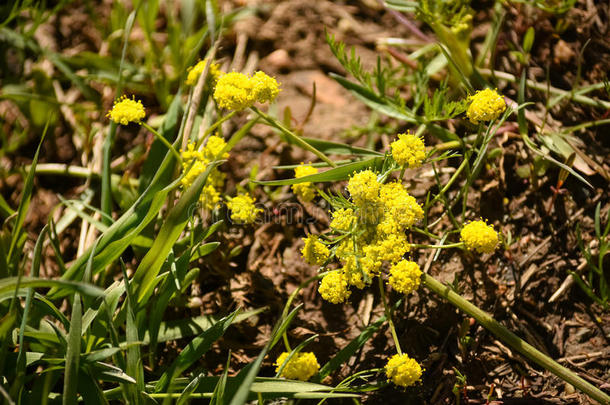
(288, 39)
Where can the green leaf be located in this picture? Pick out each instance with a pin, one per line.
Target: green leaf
(204, 250)
(193, 351)
(335, 174)
(10, 284)
(348, 351)
(70, 394)
(339, 148)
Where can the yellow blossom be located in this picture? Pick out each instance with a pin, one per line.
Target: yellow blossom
(195, 71)
(485, 105)
(265, 88)
(213, 147)
(126, 110)
(306, 190)
(479, 236)
(343, 219)
(234, 91)
(402, 207)
(333, 287)
(408, 150)
(405, 276)
(195, 162)
(243, 209)
(314, 251)
(364, 189)
(301, 366)
(403, 370)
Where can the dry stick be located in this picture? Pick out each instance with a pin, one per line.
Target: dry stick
(196, 100)
(508, 337)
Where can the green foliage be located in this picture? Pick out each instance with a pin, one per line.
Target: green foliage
(595, 283)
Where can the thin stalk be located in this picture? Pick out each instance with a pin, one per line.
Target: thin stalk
(579, 98)
(163, 141)
(216, 125)
(450, 182)
(388, 315)
(292, 136)
(424, 246)
(508, 337)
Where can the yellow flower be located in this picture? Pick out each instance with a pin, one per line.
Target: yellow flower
(403, 370)
(408, 150)
(243, 209)
(402, 207)
(314, 251)
(485, 105)
(333, 287)
(265, 88)
(364, 189)
(343, 219)
(234, 91)
(479, 236)
(306, 190)
(194, 163)
(405, 276)
(195, 71)
(213, 147)
(301, 366)
(126, 110)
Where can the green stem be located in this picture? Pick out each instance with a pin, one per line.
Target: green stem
(508, 337)
(163, 141)
(423, 246)
(293, 137)
(450, 182)
(388, 315)
(216, 125)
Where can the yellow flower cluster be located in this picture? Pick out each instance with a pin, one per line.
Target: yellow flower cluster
(408, 150)
(306, 190)
(479, 236)
(485, 105)
(243, 210)
(374, 230)
(302, 366)
(126, 110)
(333, 287)
(405, 276)
(403, 370)
(195, 162)
(236, 91)
(195, 71)
(314, 251)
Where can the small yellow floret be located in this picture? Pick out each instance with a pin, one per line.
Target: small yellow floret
(403, 370)
(402, 207)
(265, 88)
(405, 276)
(314, 252)
(195, 71)
(243, 209)
(485, 105)
(408, 150)
(333, 287)
(306, 190)
(479, 236)
(126, 110)
(343, 219)
(234, 91)
(364, 189)
(301, 366)
(213, 147)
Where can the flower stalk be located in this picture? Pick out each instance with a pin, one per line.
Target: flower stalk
(508, 337)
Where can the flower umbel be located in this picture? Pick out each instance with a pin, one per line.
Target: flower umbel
(485, 105)
(243, 209)
(126, 110)
(479, 236)
(408, 150)
(403, 370)
(314, 251)
(195, 71)
(306, 190)
(234, 91)
(405, 276)
(333, 287)
(302, 366)
(266, 88)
